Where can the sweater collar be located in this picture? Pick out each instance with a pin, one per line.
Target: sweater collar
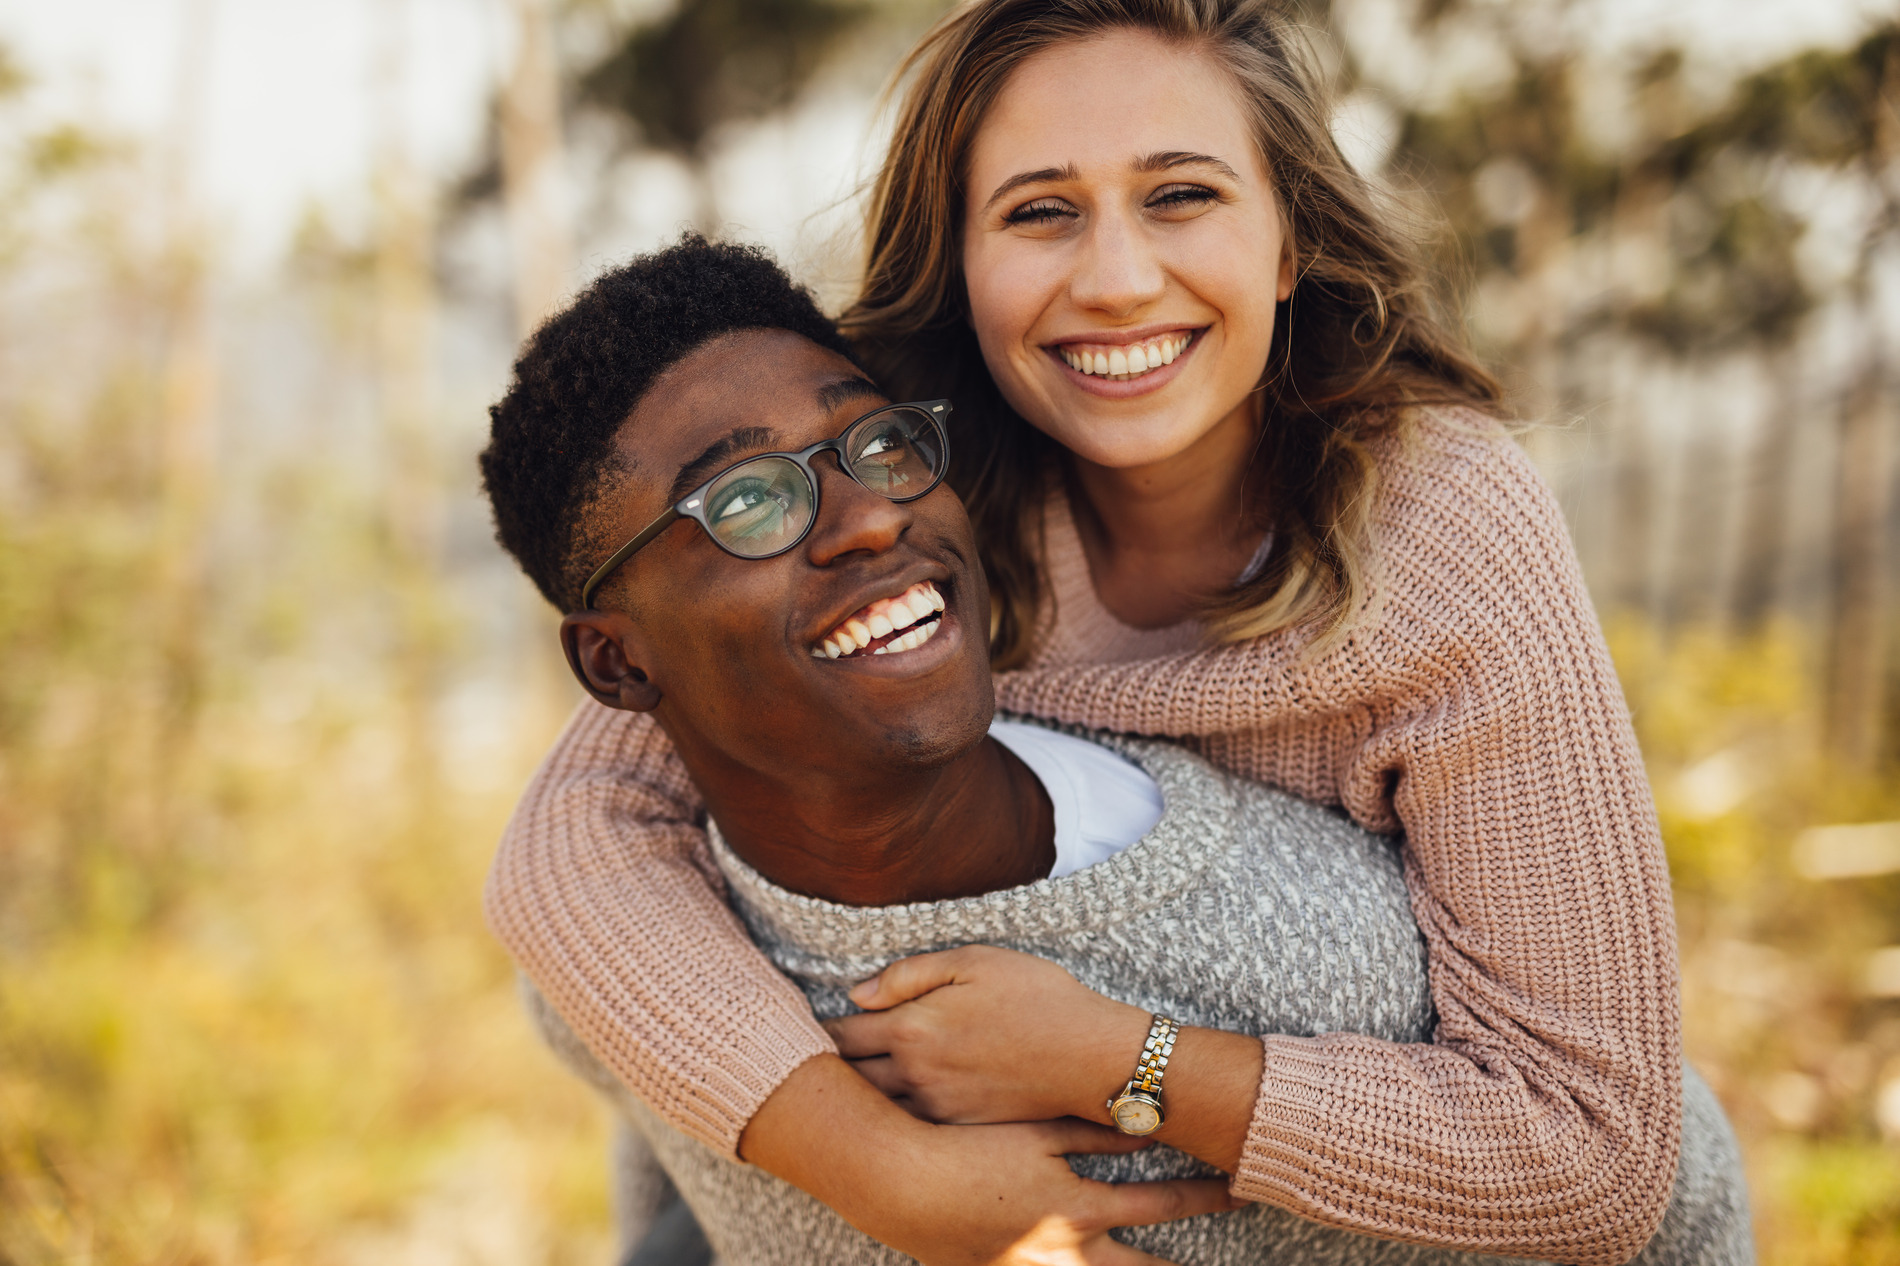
(1197, 828)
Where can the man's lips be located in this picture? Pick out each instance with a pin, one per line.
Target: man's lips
(885, 626)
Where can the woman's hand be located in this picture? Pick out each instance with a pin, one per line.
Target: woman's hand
(981, 1034)
(959, 1195)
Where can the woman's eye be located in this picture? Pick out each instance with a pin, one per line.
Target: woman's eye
(1041, 211)
(1182, 197)
(882, 444)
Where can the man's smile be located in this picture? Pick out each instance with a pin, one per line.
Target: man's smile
(884, 626)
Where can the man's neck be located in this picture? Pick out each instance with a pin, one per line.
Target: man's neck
(981, 823)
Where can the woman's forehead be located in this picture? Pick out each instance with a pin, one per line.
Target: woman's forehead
(1113, 98)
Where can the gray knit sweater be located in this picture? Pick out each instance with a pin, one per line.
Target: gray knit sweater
(1245, 910)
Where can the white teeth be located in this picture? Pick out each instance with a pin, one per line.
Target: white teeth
(894, 616)
(1130, 362)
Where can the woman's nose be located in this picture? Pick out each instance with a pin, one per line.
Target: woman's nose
(852, 519)
(1117, 269)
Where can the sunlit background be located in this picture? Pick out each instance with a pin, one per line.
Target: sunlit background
(268, 690)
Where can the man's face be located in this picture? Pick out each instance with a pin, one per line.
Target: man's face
(733, 649)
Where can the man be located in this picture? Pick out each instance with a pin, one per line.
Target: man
(813, 644)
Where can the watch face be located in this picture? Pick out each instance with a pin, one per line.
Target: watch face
(1137, 1116)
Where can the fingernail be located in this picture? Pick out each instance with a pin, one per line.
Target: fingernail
(863, 991)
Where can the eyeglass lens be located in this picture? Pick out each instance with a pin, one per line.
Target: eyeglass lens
(761, 507)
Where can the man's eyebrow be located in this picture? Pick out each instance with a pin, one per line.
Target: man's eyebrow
(719, 453)
(1036, 177)
(836, 394)
(1181, 158)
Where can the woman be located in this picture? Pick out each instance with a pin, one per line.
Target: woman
(1235, 484)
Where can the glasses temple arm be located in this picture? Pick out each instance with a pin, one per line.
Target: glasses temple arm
(622, 554)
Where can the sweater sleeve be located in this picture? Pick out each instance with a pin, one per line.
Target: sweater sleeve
(1479, 712)
(605, 893)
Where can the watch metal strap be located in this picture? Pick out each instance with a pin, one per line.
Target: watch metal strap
(1153, 1063)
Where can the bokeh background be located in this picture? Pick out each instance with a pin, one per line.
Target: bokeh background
(268, 690)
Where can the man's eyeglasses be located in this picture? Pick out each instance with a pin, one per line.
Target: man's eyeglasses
(765, 505)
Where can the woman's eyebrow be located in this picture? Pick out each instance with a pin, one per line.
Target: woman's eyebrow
(747, 439)
(1181, 158)
(1036, 177)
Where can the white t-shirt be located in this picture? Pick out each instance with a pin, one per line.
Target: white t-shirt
(1103, 802)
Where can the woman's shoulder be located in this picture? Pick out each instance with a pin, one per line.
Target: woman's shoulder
(1456, 479)
(1455, 452)
(1471, 538)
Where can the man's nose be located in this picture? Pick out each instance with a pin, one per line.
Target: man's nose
(1117, 269)
(852, 518)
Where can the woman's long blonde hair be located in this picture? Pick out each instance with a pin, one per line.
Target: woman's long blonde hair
(1356, 347)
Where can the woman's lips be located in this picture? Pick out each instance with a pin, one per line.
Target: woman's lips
(1126, 383)
(1120, 362)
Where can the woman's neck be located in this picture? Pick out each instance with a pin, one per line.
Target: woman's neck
(1164, 538)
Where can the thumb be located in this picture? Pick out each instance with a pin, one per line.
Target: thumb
(905, 979)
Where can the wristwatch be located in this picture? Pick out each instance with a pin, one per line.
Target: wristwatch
(1137, 1109)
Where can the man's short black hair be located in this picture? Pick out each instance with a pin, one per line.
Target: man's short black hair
(551, 436)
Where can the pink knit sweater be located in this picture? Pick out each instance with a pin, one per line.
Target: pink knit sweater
(1476, 710)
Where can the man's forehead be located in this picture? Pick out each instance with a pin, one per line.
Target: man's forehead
(760, 379)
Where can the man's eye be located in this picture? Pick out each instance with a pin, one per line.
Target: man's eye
(739, 503)
(1041, 211)
(882, 444)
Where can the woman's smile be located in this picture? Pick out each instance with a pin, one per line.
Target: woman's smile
(1115, 369)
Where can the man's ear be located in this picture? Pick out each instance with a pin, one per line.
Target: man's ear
(596, 643)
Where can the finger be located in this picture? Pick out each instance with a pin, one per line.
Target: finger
(1145, 1203)
(907, 978)
(882, 1072)
(861, 1036)
(1072, 1136)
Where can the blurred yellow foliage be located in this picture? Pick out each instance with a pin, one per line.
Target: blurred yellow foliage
(1775, 1004)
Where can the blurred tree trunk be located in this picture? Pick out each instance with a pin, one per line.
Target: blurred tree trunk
(1857, 685)
(533, 168)
(1857, 659)
(1765, 497)
(404, 331)
(187, 436)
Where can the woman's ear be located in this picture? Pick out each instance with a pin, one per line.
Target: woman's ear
(1289, 269)
(597, 646)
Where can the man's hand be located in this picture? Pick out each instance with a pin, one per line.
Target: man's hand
(981, 1034)
(958, 1195)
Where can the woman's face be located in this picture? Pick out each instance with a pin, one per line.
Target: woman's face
(1123, 248)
